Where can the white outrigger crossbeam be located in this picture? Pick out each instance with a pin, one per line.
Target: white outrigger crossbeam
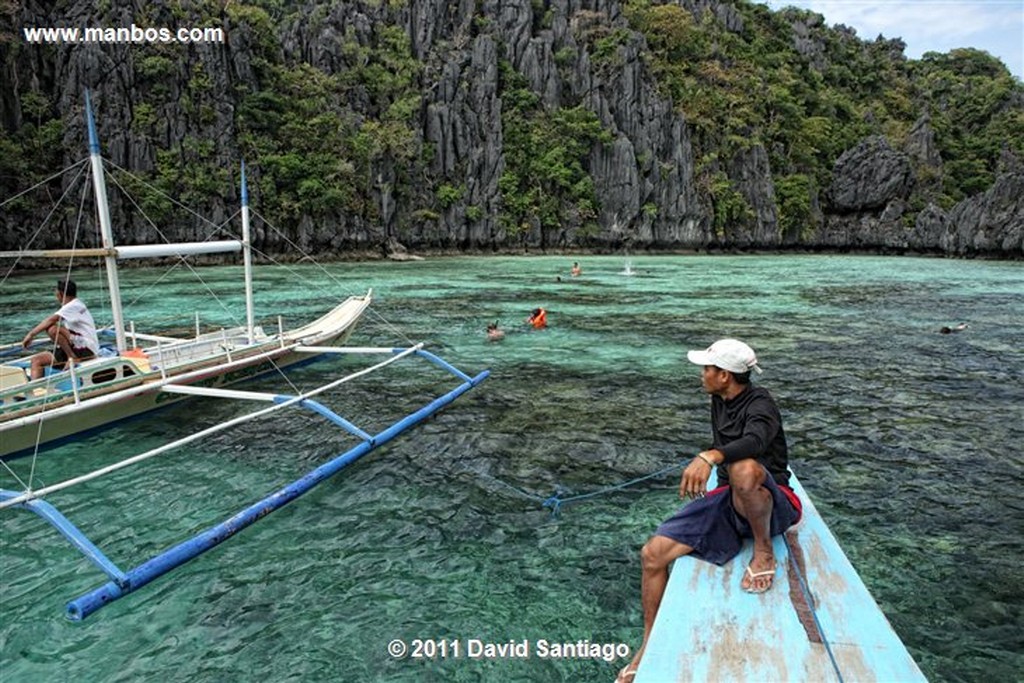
(111, 253)
(130, 251)
(171, 386)
(123, 582)
(154, 386)
(102, 391)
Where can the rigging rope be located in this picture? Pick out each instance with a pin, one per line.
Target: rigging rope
(56, 205)
(221, 228)
(325, 272)
(83, 169)
(555, 501)
(14, 474)
(182, 260)
(156, 189)
(43, 182)
(54, 345)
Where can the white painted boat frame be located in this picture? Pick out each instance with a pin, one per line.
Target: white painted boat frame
(55, 408)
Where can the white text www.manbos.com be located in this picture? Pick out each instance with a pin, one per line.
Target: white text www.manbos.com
(130, 34)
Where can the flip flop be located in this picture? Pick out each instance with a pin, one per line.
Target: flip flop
(626, 675)
(754, 575)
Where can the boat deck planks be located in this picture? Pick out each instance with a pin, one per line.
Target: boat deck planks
(709, 629)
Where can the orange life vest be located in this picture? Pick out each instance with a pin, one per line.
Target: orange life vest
(539, 321)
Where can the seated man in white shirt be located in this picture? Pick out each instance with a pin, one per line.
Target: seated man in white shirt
(71, 328)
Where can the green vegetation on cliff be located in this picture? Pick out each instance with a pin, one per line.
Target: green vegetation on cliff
(545, 153)
(748, 86)
(336, 127)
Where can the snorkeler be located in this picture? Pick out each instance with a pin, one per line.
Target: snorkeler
(539, 319)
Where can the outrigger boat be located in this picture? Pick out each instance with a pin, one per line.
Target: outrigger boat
(133, 379)
(102, 391)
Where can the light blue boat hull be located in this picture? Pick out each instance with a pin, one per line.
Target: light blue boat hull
(709, 629)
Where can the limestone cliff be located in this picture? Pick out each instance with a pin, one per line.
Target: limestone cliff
(655, 185)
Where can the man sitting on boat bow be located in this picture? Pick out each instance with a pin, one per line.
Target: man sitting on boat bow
(752, 500)
(71, 328)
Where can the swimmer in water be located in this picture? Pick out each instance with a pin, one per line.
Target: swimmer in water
(539, 319)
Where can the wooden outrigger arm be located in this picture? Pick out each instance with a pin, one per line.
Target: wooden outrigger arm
(124, 582)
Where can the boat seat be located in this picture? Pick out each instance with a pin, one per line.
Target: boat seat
(11, 377)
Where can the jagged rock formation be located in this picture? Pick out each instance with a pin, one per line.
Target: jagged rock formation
(650, 193)
(869, 176)
(992, 222)
(869, 198)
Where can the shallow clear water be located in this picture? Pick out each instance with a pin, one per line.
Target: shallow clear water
(908, 440)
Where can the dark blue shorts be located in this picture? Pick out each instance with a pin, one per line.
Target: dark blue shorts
(712, 527)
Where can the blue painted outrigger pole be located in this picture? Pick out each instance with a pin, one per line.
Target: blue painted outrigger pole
(123, 583)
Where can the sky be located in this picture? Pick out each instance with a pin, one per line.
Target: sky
(996, 26)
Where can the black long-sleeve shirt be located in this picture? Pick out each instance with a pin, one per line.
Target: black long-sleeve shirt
(750, 426)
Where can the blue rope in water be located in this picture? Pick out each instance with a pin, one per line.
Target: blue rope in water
(556, 501)
(508, 486)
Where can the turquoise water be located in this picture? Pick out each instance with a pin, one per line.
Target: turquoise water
(908, 440)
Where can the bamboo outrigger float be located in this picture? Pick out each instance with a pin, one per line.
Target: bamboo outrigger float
(133, 380)
(124, 582)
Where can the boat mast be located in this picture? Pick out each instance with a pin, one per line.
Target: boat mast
(247, 258)
(107, 235)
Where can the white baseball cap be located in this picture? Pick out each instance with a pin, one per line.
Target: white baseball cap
(728, 354)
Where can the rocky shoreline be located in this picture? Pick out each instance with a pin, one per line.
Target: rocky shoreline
(650, 174)
(35, 266)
